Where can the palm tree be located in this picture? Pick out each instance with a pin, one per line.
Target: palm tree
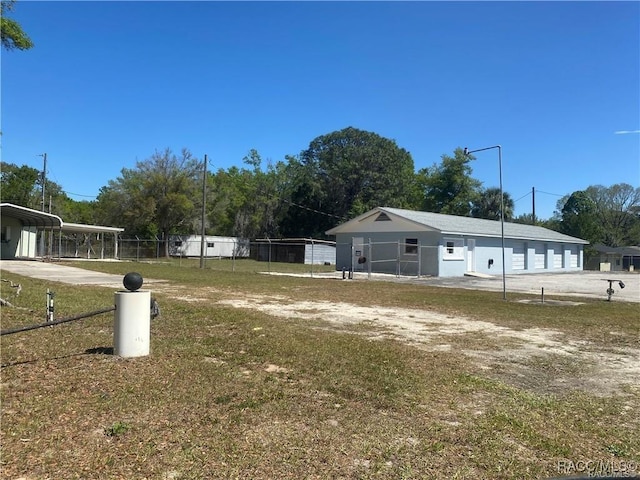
(488, 205)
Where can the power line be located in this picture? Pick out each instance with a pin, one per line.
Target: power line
(313, 210)
(78, 194)
(547, 193)
(525, 195)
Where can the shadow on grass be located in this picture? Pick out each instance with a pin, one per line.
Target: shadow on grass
(89, 351)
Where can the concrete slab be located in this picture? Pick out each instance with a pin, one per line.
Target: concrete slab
(586, 284)
(63, 273)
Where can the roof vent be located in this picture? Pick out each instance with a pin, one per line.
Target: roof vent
(383, 217)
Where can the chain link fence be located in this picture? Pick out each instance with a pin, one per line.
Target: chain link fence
(398, 258)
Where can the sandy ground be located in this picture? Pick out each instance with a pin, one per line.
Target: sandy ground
(512, 354)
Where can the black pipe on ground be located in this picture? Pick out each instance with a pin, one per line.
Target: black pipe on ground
(80, 316)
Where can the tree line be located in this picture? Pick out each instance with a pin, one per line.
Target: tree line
(340, 175)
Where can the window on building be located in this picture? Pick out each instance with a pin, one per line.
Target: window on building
(210, 244)
(453, 249)
(178, 243)
(411, 246)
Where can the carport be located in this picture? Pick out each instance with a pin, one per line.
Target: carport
(28, 233)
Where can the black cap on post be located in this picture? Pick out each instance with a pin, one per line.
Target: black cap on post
(132, 281)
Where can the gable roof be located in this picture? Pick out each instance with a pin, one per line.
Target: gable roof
(457, 225)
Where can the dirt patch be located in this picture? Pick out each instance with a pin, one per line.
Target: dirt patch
(539, 359)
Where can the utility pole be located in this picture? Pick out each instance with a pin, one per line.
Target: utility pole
(44, 177)
(204, 203)
(533, 201)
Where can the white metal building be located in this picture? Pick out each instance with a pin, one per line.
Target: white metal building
(214, 246)
(407, 242)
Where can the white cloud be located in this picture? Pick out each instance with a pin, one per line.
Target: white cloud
(624, 132)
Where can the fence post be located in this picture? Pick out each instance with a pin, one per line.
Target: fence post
(137, 249)
(312, 257)
(398, 261)
(352, 248)
(370, 259)
(269, 240)
(419, 259)
(233, 257)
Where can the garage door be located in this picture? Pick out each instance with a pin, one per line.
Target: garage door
(557, 257)
(539, 256)
(573, 259)
(517, 258)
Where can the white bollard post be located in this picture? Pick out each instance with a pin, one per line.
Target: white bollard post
(132, 323)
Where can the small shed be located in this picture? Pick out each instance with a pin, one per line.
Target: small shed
(408, 242)
(615, 259)
(214, 246)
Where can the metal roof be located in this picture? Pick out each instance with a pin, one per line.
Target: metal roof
(30, 217)
(623, 251)
(457, 225)
(35, 218)
(83, 228)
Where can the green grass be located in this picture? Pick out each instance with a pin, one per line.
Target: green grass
(229, 393)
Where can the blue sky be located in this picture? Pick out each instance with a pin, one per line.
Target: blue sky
(108, 83)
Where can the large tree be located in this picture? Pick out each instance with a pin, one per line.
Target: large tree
(13, 37)
(487, 205)
(609, 215)
(159, 197)
(20, 185)
(579, 217)
(448, 187)
(345, 173)
(248, 202)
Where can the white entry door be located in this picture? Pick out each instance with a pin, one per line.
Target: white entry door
(471, 255)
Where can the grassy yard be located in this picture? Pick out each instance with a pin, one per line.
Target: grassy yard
(237, 393)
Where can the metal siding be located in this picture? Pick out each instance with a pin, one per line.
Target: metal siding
(319, 254)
